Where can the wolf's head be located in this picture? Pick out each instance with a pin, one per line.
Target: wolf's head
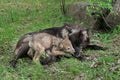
(84, 37)
(66, 45)
(72, 28)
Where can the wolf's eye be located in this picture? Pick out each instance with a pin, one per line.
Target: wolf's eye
(68, 48)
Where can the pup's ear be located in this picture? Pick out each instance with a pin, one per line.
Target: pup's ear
(64, 40)
(61, 46)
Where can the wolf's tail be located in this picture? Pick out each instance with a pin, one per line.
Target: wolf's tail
(13, 63)
(22, 52)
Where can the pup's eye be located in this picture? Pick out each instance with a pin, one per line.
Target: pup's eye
(68, 48)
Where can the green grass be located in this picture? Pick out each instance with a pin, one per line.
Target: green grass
(18, 17)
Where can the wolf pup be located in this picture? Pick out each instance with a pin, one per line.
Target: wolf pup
(44, 41)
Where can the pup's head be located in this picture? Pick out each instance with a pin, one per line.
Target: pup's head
(66, 46)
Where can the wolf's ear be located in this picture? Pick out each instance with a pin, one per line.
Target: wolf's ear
(61, 46)
(67, 25)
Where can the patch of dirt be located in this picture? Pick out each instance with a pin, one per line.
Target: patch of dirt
(91, 57)
(94, 58)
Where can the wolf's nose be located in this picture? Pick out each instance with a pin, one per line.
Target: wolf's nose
(73, 51)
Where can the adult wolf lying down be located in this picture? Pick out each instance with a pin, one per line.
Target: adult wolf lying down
(77, 34)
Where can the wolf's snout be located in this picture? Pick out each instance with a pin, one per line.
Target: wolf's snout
(73, 51)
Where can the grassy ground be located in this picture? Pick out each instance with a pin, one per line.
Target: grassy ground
(18, 17)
